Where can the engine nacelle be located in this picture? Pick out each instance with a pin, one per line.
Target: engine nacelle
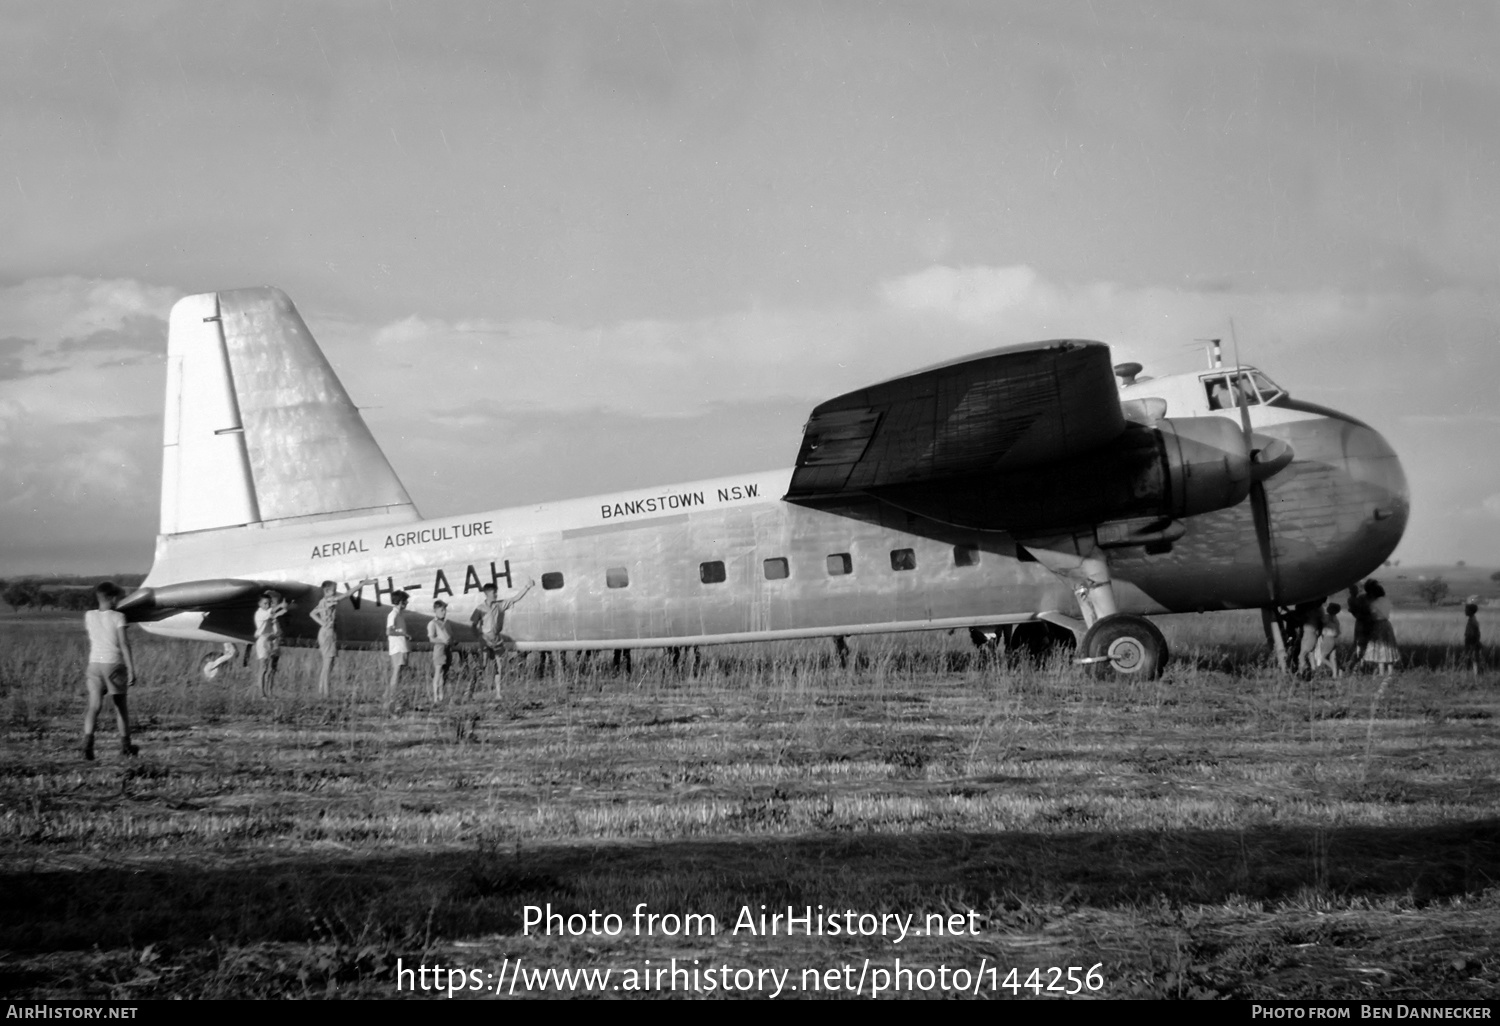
(1172, 469)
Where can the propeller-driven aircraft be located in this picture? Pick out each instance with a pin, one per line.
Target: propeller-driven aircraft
(1015, 491)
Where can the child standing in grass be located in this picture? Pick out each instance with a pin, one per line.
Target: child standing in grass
(1328, 639)
(440, 633)
(268, 639)
(1473, 650)
(111, 667)
(396, 642)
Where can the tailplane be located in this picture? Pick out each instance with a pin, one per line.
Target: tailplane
(259, 431)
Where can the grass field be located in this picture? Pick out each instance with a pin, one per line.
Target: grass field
(1222, 832)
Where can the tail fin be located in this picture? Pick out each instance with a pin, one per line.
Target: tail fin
(259, 431)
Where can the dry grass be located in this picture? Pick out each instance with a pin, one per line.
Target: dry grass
(1221, 832)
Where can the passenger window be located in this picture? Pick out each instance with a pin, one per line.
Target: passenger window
(840, 564)
(903, 559)
(777, 569)
(551, 582)
(711, 573)
(966, 555)
(617, 577)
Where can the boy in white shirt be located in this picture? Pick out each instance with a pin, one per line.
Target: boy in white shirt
(396, 641)
(111, 668)
(268, 639)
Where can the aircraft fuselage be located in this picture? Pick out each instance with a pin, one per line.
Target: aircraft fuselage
(728, 560)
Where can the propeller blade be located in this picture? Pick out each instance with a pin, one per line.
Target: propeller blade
(1259, 510)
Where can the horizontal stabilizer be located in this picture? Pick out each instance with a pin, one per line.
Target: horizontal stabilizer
(1005, 410)
(154, 603)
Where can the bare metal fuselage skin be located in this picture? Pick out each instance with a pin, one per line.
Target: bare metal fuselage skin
(1337, 511)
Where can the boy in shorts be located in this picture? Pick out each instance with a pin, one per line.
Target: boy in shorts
(326, 615)
(1328, 639)
(111, 668)
(440, 633)
(268, 639)
(488, 621)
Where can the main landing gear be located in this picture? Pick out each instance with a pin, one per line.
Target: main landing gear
(1125, 646)
(1121, 645)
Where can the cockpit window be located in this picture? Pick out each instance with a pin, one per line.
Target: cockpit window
(1248, 388)
(1230, 391)
(1269, 390)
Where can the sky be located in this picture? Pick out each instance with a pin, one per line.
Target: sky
(556, 249)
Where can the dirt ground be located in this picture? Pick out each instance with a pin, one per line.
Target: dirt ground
(1222, 832)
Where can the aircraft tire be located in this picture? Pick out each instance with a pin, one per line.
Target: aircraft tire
(1126, 647)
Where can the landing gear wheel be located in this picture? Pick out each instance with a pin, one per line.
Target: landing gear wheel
(1124, 646)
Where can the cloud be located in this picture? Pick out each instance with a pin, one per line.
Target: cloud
(976, 295)
(1376, 351)
(74, 350)
(649, 368)
(137, 333)
(50, 310)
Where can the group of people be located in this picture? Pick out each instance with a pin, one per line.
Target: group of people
(487, 620)
(1374, 637)
(111, 668)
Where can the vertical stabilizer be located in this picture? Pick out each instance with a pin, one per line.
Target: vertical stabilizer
(258, 428)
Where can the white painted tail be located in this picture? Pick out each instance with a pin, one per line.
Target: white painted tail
(259, 430)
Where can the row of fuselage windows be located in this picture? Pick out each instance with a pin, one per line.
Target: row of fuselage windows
(779, 568)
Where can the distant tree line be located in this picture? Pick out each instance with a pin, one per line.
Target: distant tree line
(74, 593)
(30, 595)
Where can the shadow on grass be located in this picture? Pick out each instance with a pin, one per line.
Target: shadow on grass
(416, 898)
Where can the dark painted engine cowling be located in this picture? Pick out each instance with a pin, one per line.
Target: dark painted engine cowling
(1174, 468)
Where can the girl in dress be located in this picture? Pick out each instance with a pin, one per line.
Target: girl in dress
(1381, 648)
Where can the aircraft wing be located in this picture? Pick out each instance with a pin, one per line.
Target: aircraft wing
(1004, 410)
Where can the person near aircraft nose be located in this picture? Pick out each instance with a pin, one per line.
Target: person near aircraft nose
(489, 620)
(1327, 653)
(111, 668)
(1359, 608)
(396, 642)
(1381, 649)
(1311, 616)
(325, 615)
(268, 639)
(440, 633)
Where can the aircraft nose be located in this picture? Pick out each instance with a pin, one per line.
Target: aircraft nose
(1338, 511)
(1373, 466)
